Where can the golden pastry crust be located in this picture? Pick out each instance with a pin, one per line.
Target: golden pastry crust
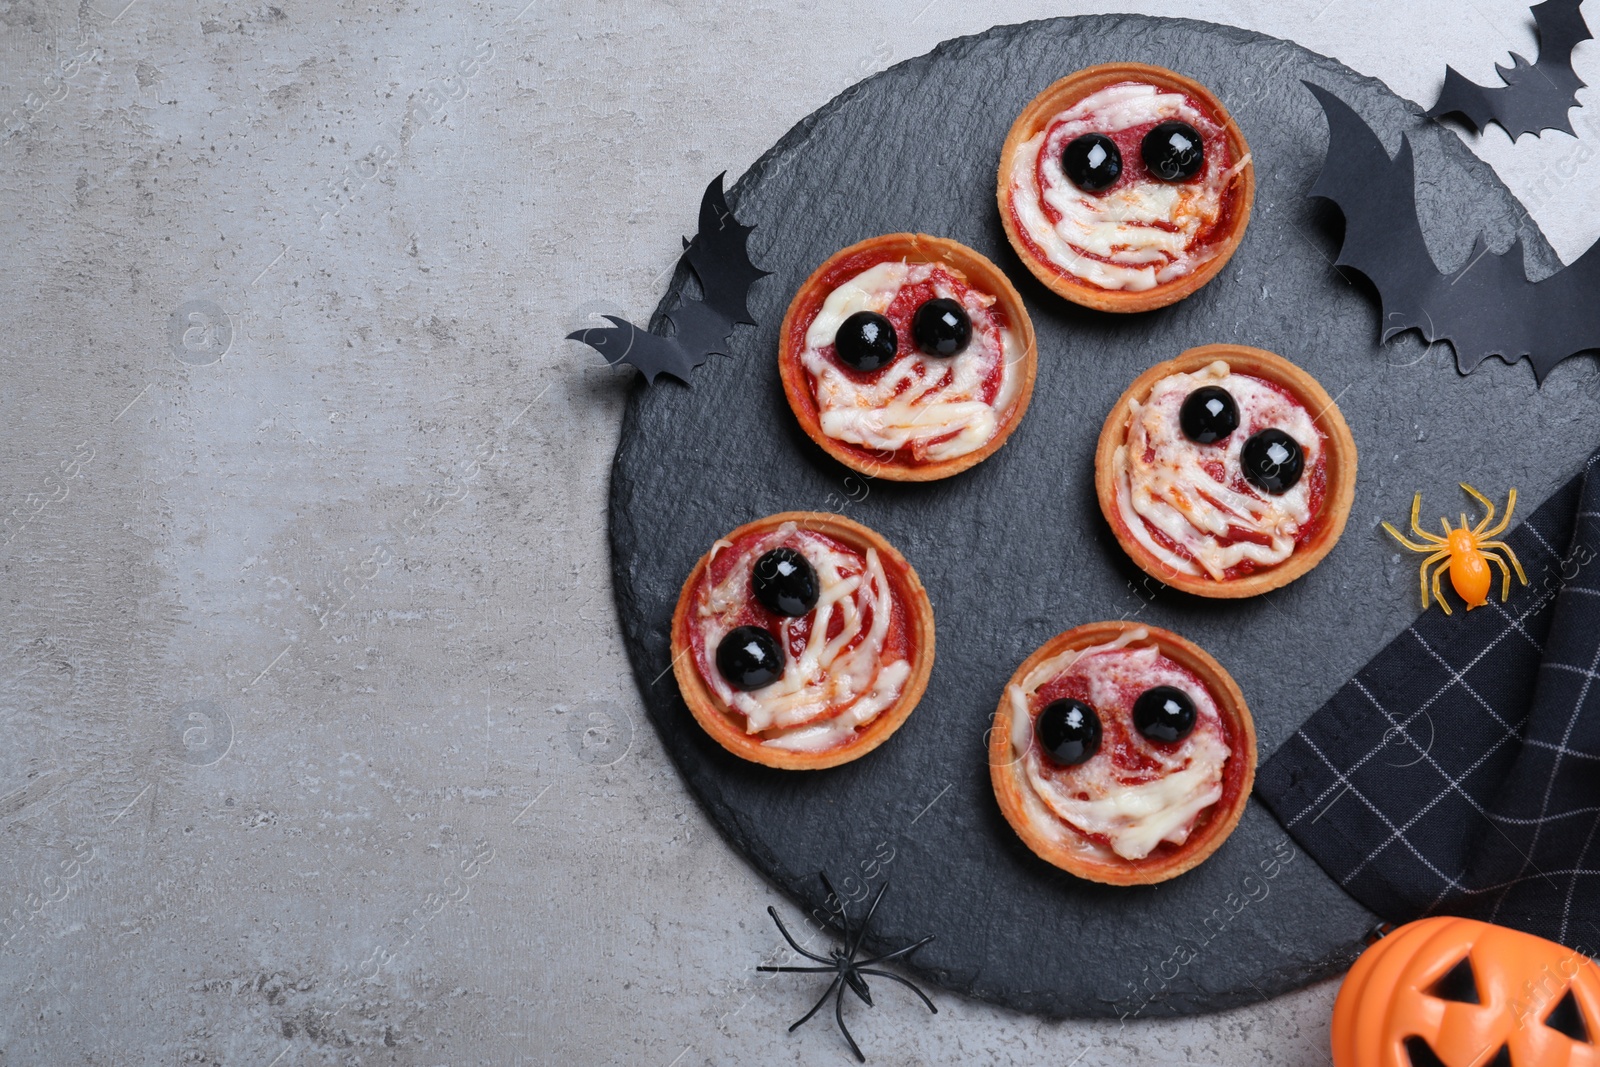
(1216, 822)
(1338, 494)
(976, 270)
(1060, 96)
(727, 727)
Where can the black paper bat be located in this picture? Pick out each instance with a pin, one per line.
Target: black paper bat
(1488, 307)
(720, 260)
(1535, 97)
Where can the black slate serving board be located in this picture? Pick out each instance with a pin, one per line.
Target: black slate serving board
(1015, 550)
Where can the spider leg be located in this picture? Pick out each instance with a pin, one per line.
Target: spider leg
(1486, 502)
(866, 922)
(1505, 575)
(792, 943)
(816, 1007)
(897, 953)
(798, 970)
(908, 985)
(858, 985)
(838, 1014)
(1422, 573)
(1511, 505)
(835, 902)
(1416, 508)
(1412, 545)
(1512, 556)
(1438, 572)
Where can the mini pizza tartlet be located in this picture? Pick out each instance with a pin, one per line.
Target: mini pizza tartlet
(1122, 753)
(907, 357)
(1125, 187)
(1226, 472)
(802, 640)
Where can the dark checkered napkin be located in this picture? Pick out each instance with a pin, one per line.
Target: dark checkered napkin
(1459, 772)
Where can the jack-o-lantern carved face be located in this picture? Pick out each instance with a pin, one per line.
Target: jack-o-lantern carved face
(1449, 992)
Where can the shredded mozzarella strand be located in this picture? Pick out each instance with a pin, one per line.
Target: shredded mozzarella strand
(827, 675)
(910, 403)
(1135, 817)
(1144, 228)
(1175, 493)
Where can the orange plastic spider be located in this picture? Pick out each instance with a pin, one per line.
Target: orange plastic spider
(1466, 553)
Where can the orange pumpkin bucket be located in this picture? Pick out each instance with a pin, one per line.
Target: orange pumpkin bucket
(1448, 992)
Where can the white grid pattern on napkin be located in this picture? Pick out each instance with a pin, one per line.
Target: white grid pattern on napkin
(1392, 832)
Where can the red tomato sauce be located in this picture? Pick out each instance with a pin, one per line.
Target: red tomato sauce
(899, 312)
(899, 641)
(1316, 479)
(1128, 142)
(1133, 765)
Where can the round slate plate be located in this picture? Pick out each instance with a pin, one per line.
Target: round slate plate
(1015, 550)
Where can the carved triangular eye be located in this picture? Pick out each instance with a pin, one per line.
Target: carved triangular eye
(1501, 1058)
(1458, 984)
(1421, 1053)
(1567, 1019)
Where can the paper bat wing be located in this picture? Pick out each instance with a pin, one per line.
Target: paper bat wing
(1377, 195)
(1490, 308)
(720, 257)
(623, 342)
(1561, 28)
(1486, 308)
(1474, 104)
(700, 328)
(1535, 97)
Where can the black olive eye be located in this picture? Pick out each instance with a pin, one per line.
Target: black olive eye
(785, 582)
(1069, 730)
(866, 341)
(1208, 415)
(749, 658)
(1164, 713)
(941, 327)
(1273, 461)
(1173, 151)
(1092, 162)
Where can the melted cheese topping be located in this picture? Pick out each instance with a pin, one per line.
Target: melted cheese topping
(1135, 812)
(1137, 234)
(1173, 492)
(916, 399)
(831, 688)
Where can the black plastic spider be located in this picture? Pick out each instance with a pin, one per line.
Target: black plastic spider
(846, 969)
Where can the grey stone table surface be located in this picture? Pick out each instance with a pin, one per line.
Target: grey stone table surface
(319, 742)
